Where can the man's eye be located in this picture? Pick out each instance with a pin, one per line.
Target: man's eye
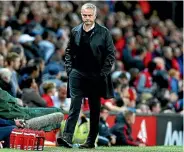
(87, 15)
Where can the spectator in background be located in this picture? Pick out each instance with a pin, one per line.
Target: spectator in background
(149, 53)
(53, 75)
(160, 63)
(13, 64)
(46, 46)
(138, 18)
(127, 53)
(41, 65)
(138, 59)
(120, 77)
(154, 106)
(170, 62)
(32, 70)
(3, 19)
(26, 41)
(5, 79)
(178, 54)
(174, 80)
(105, 138)
(20, 51)
(143, 109)
(108, 104)
(144, 82)
(119, 42)
(123, 131)
(30, 95)
(177, 106)
(3, 48)
(49, 90)
(128, 96)
(60, 100)
(134, 72)
(160, 76)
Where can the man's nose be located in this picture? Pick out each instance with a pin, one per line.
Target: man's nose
(87, 17)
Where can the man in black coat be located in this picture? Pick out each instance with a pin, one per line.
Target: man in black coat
(89, 58)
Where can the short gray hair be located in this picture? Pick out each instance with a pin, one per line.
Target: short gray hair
(91, 6)
(63, 85)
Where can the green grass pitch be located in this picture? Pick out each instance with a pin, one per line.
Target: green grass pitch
(110, 149)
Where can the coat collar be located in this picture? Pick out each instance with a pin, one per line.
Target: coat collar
(90, 27)
(80, 26)
(78, 31)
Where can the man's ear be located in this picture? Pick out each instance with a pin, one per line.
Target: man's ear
(95, 16)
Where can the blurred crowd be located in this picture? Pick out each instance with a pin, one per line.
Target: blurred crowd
(147, 75)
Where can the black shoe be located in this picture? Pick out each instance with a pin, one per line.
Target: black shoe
(87, 146)
(64, 143)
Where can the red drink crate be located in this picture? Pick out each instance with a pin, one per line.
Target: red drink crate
(27, 139)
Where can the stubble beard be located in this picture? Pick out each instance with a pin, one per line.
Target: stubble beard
(88, 23)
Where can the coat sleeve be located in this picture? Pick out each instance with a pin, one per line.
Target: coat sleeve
(68, 54)
(127, 139)
(109, 55)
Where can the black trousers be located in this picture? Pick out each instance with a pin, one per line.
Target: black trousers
(82, 85)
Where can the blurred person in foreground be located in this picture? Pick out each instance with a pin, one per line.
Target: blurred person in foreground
(89, 58)
(6, 127)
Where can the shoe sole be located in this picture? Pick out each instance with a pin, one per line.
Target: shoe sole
(62, 142)
(85, 147)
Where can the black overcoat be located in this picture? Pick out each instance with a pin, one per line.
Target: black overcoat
(103, 49)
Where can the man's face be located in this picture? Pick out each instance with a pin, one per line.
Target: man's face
(131, 119)
(16, 64)
(42, 66)
(156, 109)
(88, 16)
(36, 73)
(105, 114)
(62, 93)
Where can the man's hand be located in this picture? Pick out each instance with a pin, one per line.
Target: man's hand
(1, 144)
(113, 139)
(19, 123)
